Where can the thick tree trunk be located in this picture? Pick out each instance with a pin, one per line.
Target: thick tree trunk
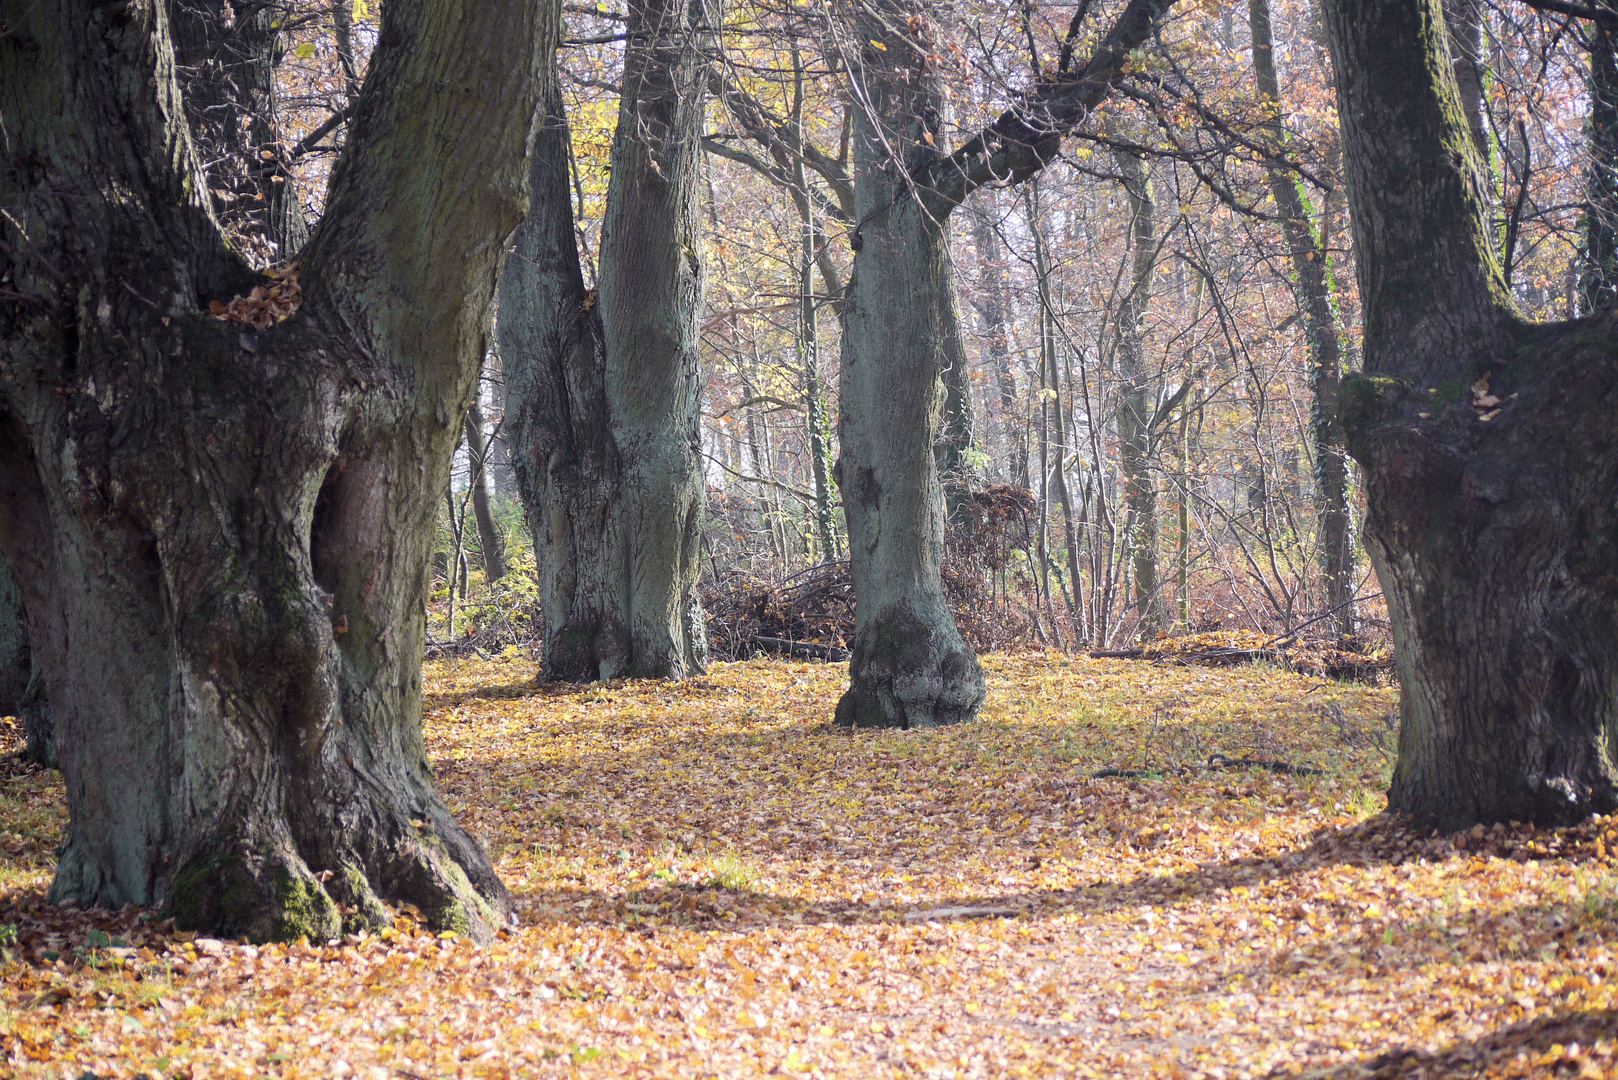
(490, 541)
(1489, 455)
(909, 666)
(603, 391)
(221, 529)
(1137, 398)
(1313, 294)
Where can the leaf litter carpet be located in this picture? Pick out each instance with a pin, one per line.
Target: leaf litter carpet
(713, 882)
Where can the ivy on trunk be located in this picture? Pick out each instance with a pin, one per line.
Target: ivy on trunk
(221, 532)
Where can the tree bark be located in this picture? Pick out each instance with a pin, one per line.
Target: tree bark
(909, 666)
(1312, 289)
(603, 390)
(221, 529)
(225, 53)
(490, 541)
(1489, 456)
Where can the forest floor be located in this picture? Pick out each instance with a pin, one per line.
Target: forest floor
(714, 882)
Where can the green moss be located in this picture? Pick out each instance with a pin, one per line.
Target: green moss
(305, 909)
(1448, 393)
(193, 894)
(451, 915)
(1365, 399)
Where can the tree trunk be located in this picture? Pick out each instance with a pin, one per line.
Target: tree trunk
(1313, 294)
(909, 666)
(603, 390)
(221, 529)
(225, 52)
(16, 657)
(478, 470)
(901, 329)
(1598, 263)
(1489, 456)
(1137, 398)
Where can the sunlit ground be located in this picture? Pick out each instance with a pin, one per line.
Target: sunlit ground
(714, 882)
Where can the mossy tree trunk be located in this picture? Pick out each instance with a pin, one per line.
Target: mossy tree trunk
(1489, 454)
(909, 665)
(221, 533)
(603, 389)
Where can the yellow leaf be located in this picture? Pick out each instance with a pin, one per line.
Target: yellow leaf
(875, 44)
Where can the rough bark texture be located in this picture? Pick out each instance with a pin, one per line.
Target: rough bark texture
(1491, 522)
(1312, 288)
(603, 390)
(221, 533)
(225, 52)
(909, 666)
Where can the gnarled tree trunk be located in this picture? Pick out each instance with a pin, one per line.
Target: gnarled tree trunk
(1490, 459)
(221, 529)
(603, 390)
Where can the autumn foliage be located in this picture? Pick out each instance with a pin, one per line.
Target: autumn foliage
(711, 881)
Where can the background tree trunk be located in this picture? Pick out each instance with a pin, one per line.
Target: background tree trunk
(16, 657)
(1489, 455)
(909, 666)
(221, 529)
(1598, 265)
(1313, 291)
(479, 468)
(1137, 398)
(603, 390)
(994, 308)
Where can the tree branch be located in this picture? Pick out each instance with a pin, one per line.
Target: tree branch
(1028, 136)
